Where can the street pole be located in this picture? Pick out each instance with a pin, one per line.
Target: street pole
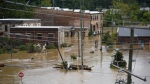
(129, 79)
(101, 37)
(81, 34)
(10, 45)
(78, 45)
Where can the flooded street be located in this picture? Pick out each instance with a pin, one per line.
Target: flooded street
(40, 70)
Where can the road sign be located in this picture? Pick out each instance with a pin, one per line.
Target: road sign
(20, 74)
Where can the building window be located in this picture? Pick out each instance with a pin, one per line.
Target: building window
(28, 35)
(94, 17)
(97, 17)
(50, 36)
(39, 36)
(93, 27)
(140, 41)
(6, 28)
(97, 25)
(101, 17)
(122, 41)
(17, 35)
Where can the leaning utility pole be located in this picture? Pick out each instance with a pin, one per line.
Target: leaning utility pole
(129, 79)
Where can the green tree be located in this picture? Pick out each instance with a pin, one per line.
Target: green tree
(9, 10)
(118, 59)
(129, 11)
(46, 3)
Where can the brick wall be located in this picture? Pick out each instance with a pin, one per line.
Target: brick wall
(51, 17)
(33, 34)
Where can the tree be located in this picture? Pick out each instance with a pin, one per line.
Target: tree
(118, 59)
(46, 3)
(129, 11)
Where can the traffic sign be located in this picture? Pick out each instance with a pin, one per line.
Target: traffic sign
(20, 74)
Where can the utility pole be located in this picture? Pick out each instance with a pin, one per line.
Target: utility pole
(101, 27)
(129, 79)
(10, 43)
(78, 45)
(81, 34)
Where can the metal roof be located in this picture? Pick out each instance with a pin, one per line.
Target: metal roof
(138, 32)
(18, 19)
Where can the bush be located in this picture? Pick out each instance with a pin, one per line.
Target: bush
(1, 51)
(13, 51)
(90, 33)
(63, 45)
(92, 52)
(22, 47)
(73, 56)
(31, 48)
(17, 43)
(51, 46)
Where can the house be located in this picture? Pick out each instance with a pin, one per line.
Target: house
(141, 35)
(5, 24)
(38, 34)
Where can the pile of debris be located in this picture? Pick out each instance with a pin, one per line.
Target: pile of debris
(72, 66)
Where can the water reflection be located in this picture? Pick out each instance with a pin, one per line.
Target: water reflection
(40, 70)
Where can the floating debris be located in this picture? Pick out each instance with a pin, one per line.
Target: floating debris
(73, 67)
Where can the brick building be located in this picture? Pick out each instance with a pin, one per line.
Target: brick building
(141, 36)
(38, 34)
(50, 17)
(96, 21)
(5, 24)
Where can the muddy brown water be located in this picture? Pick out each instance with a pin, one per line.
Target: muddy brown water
(40, 70)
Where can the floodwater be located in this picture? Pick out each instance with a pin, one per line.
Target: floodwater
(40, 70)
